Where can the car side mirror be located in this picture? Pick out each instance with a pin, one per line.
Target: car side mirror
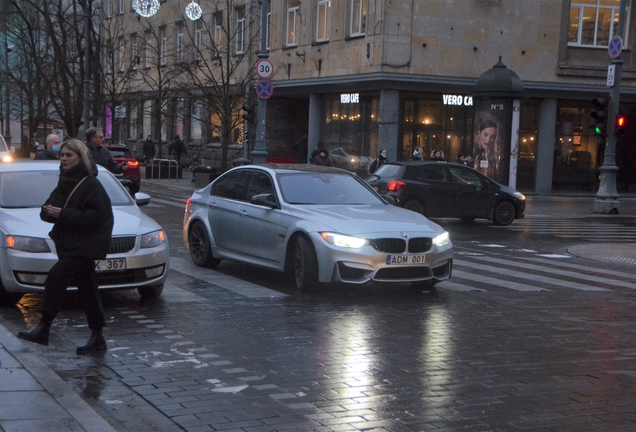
(389, 199)
(266, 200)
(142, 199)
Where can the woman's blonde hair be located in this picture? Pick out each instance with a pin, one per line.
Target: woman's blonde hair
(78, 147)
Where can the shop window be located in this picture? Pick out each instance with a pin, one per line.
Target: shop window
(526, 157)
(594, 22)
(576, 151)
(195, 122)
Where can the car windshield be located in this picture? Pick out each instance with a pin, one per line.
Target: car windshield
(30, 189)
(121, 153)
(325, 188)
(388, 171)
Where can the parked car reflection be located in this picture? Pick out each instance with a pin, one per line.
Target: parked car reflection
(341, 159)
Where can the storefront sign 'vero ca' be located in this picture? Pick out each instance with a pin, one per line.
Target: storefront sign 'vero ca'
(458, 100)
(348, 98)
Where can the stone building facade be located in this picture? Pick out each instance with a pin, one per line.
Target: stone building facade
(361, 75)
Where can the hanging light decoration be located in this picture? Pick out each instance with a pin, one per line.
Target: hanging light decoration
(193, 11)
(146, 8)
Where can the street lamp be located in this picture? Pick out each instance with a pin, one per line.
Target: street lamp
(147, 8)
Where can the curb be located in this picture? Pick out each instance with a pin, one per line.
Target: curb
(53, 385)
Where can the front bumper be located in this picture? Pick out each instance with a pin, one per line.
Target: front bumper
(25, 272)
(367, 264)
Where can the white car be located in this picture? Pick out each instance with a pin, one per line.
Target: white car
(138, 256)
(320, 224)
(6, 152)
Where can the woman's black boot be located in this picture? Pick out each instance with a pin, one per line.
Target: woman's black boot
(38, 334)
(95, 343)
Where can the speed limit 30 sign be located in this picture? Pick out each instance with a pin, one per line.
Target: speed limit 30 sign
(264, 69)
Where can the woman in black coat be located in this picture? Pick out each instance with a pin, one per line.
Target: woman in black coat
(82, 216)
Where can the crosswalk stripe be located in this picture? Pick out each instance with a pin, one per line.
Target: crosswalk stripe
(581, 267)
(521, 275)
(553, 270)
(492, 281)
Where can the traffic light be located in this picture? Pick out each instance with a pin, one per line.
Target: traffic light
(600, 116)
(249, 114)
(621, 124)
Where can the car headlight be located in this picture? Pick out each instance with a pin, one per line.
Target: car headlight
(7, 158)
(153, 239)
(343, 240)
(520, 196)
(28, 244)
(442, 239)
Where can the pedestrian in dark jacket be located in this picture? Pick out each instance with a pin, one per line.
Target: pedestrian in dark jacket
(82, 216)
(100, 154)
(321, 157)
(51, 149)
(377, 162)
(148, 150)
(177, 148)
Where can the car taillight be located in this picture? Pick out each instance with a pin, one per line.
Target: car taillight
(132, 162)
(395, 185)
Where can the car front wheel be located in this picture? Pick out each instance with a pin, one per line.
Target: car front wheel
(415, 205)
(305, 265)
(504, 213)
(199, 245)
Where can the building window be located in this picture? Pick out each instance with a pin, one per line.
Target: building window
(198, 39)
(293, 7)
(122, 7)
(240, 30)
(147, 51)
(594, 22)
(179, 44)
(163, 48)
(134, 118)
(122, 54)
(109, 8)
(147, 119)
(110, 57)
(323, 26)
(134, 53)
(218, 31)
(268, 32)
(358, 21)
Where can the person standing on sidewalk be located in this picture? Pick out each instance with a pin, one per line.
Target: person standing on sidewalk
(177, 148)
(83, 220)
(148, 149)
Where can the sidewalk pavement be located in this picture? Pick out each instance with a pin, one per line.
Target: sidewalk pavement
(33, 397)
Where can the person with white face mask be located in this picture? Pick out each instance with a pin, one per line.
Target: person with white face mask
(51, 149)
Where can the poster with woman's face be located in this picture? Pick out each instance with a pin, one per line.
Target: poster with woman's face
(492, 125)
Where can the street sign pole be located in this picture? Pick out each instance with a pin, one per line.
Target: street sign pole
(606, 200)
(259, 154)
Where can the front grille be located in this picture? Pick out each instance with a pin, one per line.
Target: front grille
(390, 245)
(419, 245)
(120, 245)
(397, 273)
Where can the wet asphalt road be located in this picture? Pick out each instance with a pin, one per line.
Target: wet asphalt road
(525, 336)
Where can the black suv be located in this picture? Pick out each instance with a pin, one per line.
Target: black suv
(441, 189)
